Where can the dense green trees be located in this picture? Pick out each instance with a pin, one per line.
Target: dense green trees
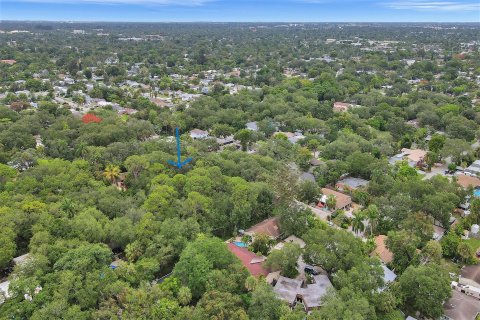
(285, 260)
(424, 289)
(77, 196)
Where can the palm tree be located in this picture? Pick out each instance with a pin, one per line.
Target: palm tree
(331, 202)
(112, 172)
(372, 215)
(357, 222)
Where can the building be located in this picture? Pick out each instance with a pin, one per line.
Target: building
(252, 126)
(461, 307)
(381, 250)
(388, 276)
(291, 136)
(414, 157)
(198, 134)
(351, 183)
(8, 61)
(290, 239)
(250, 260)
(295, 291)
(341, 106)
(4, 290)
(270, 227)
(470, 275)
(474, 168)
(466, 181)
(466, 289)
(343, 201)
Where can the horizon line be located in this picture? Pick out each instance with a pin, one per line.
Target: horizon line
(212, 21)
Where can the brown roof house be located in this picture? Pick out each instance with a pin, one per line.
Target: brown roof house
(465, 181)
(414, 157)
(270, 227)
(343, 201)
(341, 106)
(250, 260)
(381, 250)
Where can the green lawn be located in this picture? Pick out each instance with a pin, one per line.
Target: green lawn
(473, 243)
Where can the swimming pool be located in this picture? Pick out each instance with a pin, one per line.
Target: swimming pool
(476, 193)
(240, 244)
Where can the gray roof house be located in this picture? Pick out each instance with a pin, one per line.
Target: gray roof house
(474, 168)
(293, 290)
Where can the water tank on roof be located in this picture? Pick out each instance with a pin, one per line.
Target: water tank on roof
(475, 228)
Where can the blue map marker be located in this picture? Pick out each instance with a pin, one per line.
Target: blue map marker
(179, 164)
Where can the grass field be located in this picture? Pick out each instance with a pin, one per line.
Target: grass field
(473, 243)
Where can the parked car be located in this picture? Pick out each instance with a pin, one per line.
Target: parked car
(310, 270)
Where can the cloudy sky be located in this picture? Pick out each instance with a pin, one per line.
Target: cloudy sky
(243, 10)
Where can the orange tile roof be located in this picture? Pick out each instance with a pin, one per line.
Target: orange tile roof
(270, 227)
(342, 200)
(249, 260)
(465, 181)
(381, 249)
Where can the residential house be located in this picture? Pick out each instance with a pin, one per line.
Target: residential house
(466, 289)
(270, 227)
(461, 307)
(350, 184)
(388, 276)
(414, 157)
(8, 61)
(470, 275)
(381, 250)
(198, 134)
(21, 259)
(252, 126)
(162, 102)
(127, 111)
(291, 136)
(341, 106)
(466, 181)
(295, 291)
(316, 162)
(4, 286)
(343, 201)
(473, 169)
(438, 233)
(250, 260)
(290, 239)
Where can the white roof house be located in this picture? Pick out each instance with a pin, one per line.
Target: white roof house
(198, 134)
(4, 290)
(388, 276)
(252, 126)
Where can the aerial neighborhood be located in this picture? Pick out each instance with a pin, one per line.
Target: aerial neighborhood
(333, 172)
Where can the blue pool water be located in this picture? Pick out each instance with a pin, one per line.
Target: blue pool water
(476, 193)
(240, 244)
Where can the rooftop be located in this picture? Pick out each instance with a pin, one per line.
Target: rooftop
(381, 249)
(270, 227)
(414, 154)
(342, 200)
(465, 181)
(470, 275)
(461, 306)
(311, 294)
(352, 183)
(250, 260)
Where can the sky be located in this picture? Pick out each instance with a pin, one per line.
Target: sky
(243, 10)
